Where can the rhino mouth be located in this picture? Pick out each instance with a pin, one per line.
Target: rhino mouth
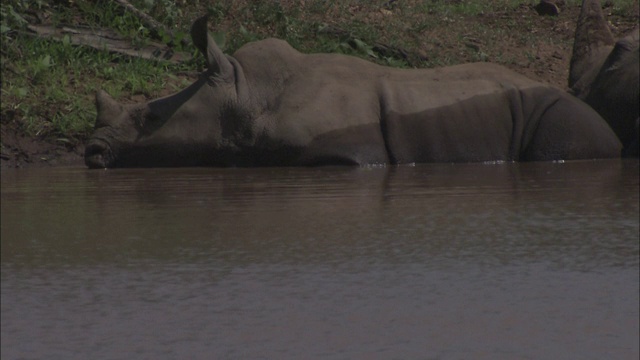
(97, 154)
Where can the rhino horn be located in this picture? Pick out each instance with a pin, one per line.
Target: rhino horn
(217, 61)
(592, 33)
(108, 107)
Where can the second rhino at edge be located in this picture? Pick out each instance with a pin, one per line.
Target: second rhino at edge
(605, 74)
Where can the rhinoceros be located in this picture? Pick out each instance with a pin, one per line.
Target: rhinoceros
(270, 105)
(604, 73)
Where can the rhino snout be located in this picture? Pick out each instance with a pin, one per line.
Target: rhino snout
(97, 154)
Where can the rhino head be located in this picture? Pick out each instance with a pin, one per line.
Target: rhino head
(177, 130)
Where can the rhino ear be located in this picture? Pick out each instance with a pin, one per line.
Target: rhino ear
(217, 61)
(592, 33)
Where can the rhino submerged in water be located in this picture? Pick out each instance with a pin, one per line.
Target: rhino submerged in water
(605, 74)
(269, 105)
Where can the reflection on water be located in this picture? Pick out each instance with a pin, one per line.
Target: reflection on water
(532, 260)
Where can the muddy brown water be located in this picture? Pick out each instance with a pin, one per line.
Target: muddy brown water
(482, 261)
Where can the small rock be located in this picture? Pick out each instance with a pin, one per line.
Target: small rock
(547, 7)
(472, 46)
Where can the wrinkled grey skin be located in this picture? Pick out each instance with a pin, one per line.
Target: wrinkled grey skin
(605, 74)
(270, 105)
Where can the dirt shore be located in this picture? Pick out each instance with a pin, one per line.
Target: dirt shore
(19, 150)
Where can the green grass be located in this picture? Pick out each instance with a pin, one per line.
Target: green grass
(48, 87)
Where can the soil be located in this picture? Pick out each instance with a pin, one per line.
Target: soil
(19, 150)
(550, 65)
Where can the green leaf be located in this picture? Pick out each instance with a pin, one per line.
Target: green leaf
(166, 38)
(66, 41)
(22, 92)
(17, 17)
(243, 31)
(361, 45)
(45, 61)
(220, 38)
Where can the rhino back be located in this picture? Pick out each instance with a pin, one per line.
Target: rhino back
(344, 109)
(340, 109)
(322, 108)
(483, 112)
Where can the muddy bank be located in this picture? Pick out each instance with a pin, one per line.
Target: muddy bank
(19, 150)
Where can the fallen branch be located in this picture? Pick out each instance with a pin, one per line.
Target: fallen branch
(154, 25)
(105, 39)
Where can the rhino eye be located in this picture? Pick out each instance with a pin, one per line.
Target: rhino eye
(151, 119)
(148, 123)
(144, 120)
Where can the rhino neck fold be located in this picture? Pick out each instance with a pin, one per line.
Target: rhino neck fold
(263, 70)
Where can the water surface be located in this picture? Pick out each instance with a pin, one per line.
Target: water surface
(482, 261)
